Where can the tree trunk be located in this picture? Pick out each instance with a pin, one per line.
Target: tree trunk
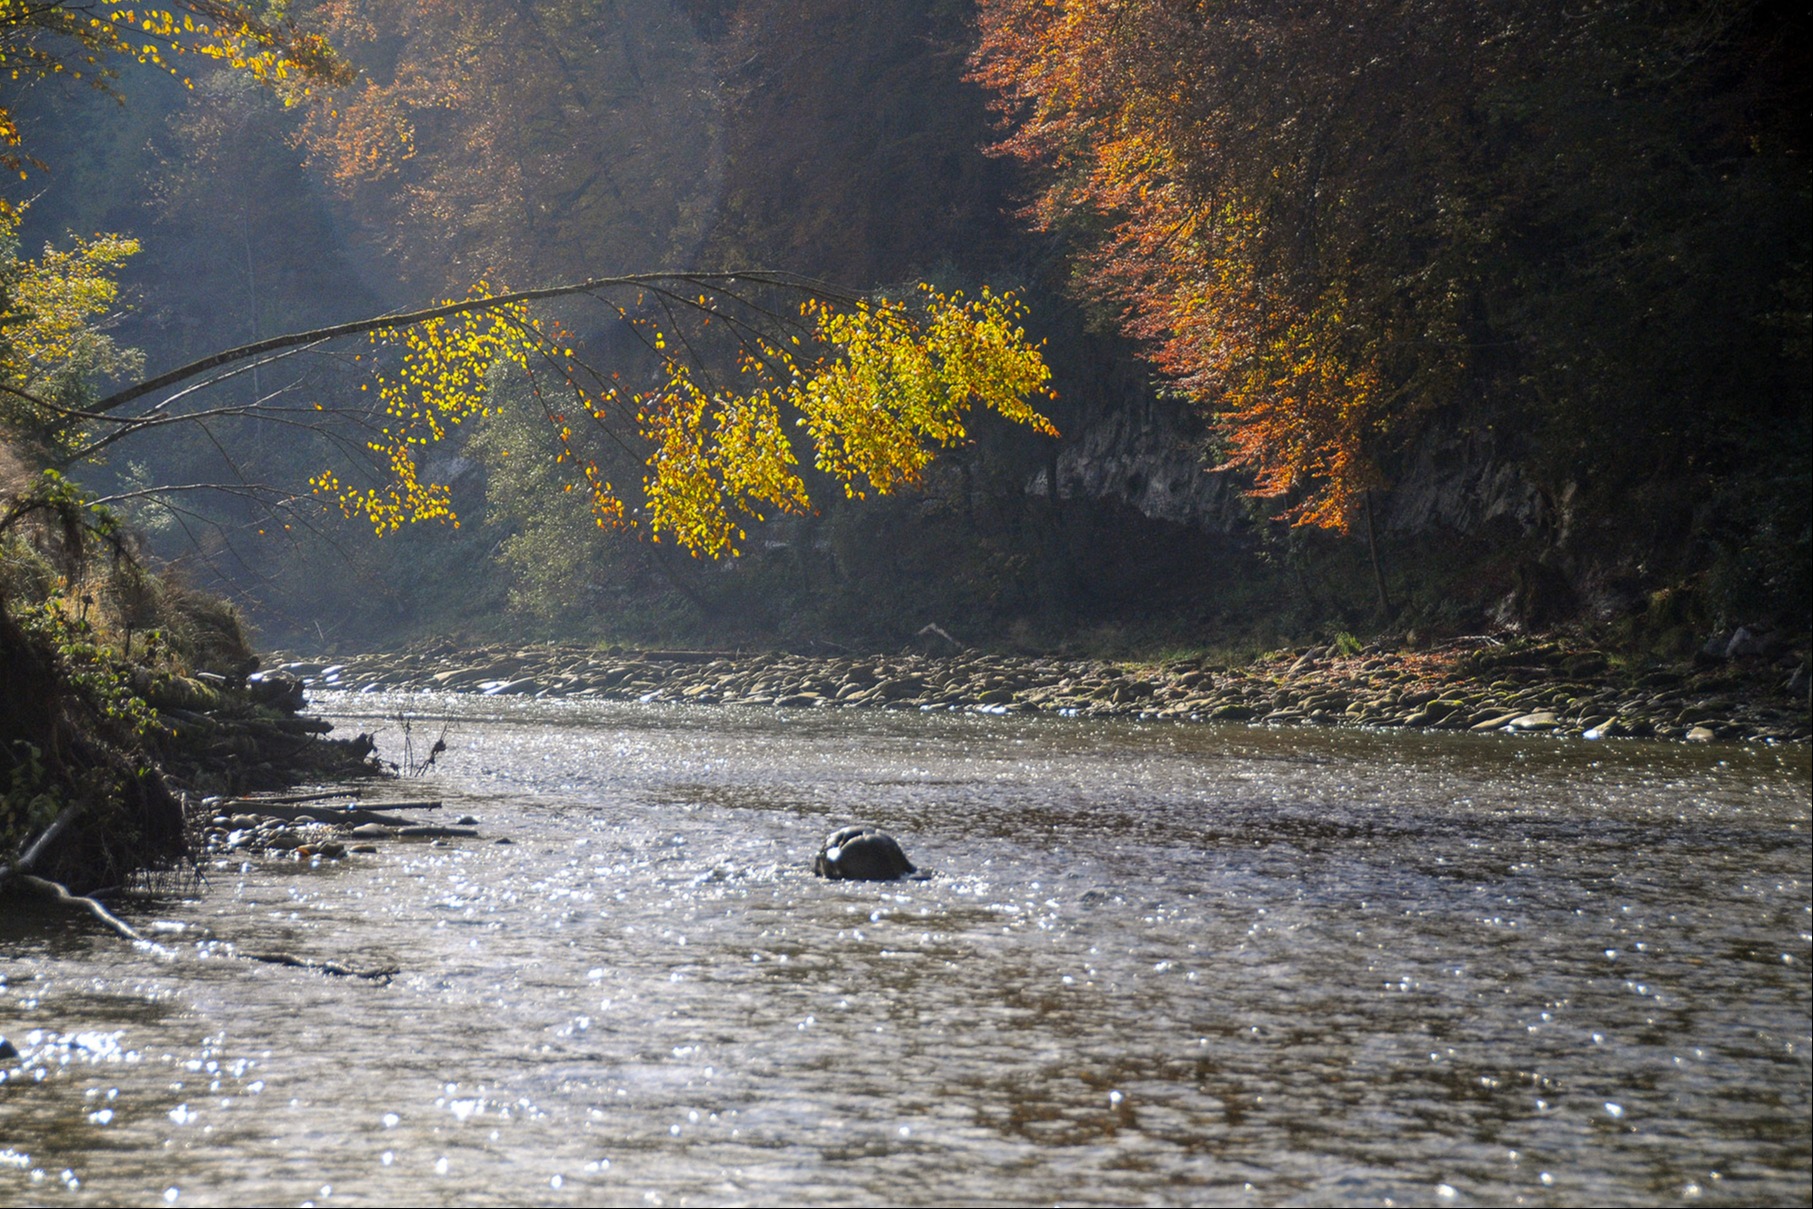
(1378, 572)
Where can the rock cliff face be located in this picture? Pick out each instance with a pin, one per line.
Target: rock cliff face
(1155, 456)
(1461, 480)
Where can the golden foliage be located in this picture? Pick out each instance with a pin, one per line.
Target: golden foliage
(874, 388)
(41, 39)
(52, 311)
(439, 385)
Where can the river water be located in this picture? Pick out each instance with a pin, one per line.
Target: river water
(1156, 964)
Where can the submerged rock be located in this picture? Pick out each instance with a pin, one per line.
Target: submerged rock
(862, 854)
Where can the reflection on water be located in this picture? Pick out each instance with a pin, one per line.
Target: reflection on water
(1160, 963)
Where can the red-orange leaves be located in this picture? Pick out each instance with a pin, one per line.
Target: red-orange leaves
(1210, 160)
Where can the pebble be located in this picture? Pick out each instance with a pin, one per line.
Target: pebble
(1547, 686)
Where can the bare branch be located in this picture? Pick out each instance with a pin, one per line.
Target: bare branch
(405, 318)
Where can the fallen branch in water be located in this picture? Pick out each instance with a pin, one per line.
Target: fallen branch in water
(58, 892)
(334, 968)
(336, 814)
(281, 799)
(34, 852)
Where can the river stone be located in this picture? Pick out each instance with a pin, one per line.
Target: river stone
(372, 831)
(863, 854)
(798, 701)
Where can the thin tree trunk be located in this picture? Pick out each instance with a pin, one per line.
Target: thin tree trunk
(1378, 573)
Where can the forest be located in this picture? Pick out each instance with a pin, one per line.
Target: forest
(1404, 319)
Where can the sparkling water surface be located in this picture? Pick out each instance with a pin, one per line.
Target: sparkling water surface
(1155, 964)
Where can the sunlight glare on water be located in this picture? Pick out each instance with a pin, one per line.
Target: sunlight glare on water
(1155, 963)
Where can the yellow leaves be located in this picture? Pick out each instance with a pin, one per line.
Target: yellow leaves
(439, 384)
(55, 298)
(714, 454)
(900, 385)
(252, 39)
(892, 384)
(51, 336)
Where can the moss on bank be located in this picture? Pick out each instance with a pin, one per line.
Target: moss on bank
(122, 693)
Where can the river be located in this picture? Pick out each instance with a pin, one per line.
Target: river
(1156, 963)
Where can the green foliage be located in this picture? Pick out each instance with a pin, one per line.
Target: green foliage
(558, 560)
(91, 667)
(27, 804)
(53, 343)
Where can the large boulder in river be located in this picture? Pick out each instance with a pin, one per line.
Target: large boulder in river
(862, 854)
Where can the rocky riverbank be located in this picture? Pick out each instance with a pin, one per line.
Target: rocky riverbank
(1478, 684)
(99, 755)
(317, 827)
(218, 734)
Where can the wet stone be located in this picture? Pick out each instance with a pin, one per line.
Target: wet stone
(861, 853)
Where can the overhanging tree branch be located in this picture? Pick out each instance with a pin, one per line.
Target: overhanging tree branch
(260, 348)
(865, 389)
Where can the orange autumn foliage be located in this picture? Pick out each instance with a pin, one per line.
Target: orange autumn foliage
(1183, 146)
(514, 141)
